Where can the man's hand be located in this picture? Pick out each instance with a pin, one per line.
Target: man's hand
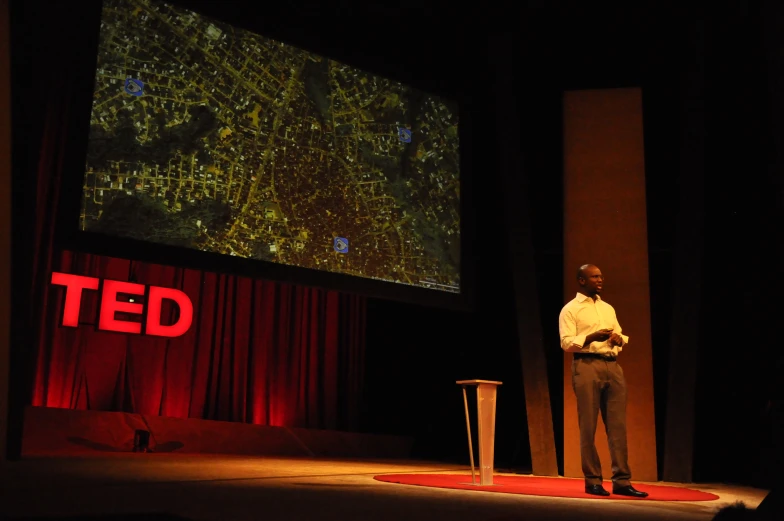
(616, 339)
(599, 336)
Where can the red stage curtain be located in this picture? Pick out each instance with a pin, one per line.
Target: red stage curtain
(258, 352)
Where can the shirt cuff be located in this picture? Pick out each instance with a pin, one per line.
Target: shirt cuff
(579, 340)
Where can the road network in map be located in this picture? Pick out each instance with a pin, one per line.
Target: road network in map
(214, 138)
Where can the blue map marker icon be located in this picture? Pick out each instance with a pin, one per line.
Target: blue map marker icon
(341, 245)
(134, 87)
(404, 134)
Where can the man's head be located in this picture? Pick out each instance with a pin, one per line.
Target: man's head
(590, 279)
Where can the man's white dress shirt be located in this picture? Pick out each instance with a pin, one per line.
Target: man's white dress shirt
(582, 316)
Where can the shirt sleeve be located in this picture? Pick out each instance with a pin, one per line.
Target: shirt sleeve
(619, 330)
(570, 340)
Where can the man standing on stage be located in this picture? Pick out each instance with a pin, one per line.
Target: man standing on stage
(590, 330)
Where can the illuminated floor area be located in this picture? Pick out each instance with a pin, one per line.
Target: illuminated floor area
(224, 488)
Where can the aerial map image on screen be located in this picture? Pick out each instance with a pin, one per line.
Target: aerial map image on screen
(210, 137)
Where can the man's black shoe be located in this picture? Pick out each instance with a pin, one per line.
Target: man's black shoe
(596, 490)
(628, 491)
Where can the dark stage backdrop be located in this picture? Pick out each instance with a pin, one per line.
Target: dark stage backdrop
(410, 379)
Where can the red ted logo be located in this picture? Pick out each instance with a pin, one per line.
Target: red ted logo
(109, 306)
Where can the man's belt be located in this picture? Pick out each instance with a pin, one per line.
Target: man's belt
(606, 358)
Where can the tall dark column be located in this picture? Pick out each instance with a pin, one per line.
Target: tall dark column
(687, 272)
(505, 59)
(773, 42)
(5, 218)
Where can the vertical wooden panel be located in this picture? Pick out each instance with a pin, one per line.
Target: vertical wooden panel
(5, 217)
(605, 224)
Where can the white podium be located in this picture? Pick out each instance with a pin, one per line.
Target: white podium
(486, 391)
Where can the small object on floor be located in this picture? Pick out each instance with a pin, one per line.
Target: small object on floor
(596, 490)
(141, 441)
(628, 491)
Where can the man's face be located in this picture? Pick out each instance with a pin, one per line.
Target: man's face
(592, 280)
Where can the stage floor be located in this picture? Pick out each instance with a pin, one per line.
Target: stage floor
(224, 488)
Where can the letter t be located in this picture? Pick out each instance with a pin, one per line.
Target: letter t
(74, 284)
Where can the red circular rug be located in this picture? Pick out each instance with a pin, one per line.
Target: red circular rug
(552, 487)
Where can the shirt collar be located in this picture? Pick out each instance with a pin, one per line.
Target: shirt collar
(583, 298)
